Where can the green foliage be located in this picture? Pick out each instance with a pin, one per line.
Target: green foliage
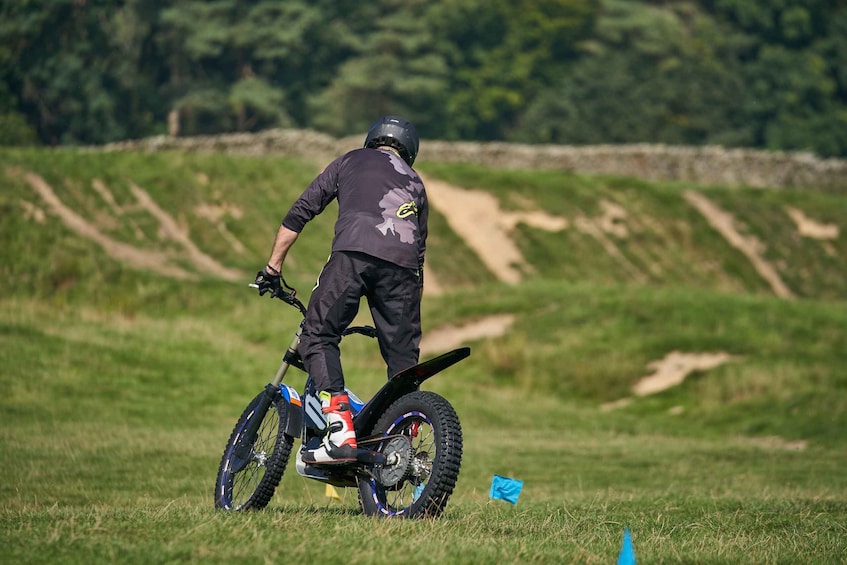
(76, 77)
(802, 115)
(14, 130)
(504, 52)
(730, 72)
(395, 69)
(251, 99)
(211, 75)
(793, 22)
(667, 75)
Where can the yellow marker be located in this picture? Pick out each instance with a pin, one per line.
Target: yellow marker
(332, 493)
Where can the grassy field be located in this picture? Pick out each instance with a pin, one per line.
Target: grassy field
(121, 385)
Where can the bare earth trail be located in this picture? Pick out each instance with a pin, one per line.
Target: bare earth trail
(138, 258)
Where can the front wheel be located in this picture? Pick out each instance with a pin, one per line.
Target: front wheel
(250, 471)
(422, 431)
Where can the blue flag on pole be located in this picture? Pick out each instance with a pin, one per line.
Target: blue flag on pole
(627, 554)
(504, 488)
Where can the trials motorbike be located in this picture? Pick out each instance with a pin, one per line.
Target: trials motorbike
(410, 441)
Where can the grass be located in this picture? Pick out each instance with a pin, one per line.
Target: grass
(118, 425)
(483, 533)
(120, 387)
(592, 343)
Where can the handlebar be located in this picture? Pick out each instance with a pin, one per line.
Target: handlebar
(287, 297)
(290, 299)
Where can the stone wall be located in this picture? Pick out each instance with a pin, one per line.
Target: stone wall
(707, 165)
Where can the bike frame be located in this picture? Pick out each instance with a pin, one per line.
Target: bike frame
(303, 416)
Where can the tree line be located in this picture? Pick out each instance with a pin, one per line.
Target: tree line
(767, 74)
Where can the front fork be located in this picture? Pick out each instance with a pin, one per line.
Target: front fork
(248, 435)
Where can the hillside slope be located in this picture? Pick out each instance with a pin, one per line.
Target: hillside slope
(530, 224)
(585, 286)
(181, 215)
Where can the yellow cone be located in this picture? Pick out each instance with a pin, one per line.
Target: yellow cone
(332, 493)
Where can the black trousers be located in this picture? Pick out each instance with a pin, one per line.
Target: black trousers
(393, 294)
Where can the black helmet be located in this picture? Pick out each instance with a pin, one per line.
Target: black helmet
(395, 132)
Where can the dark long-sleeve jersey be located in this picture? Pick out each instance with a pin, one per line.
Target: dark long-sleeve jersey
(382, 206)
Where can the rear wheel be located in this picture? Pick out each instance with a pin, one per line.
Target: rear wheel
(248, 483)
(423, 444)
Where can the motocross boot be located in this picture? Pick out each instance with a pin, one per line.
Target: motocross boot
(339, 443)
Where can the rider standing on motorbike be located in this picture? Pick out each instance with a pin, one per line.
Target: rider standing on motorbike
(377, 252)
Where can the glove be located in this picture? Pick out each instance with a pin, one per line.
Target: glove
(267, 282)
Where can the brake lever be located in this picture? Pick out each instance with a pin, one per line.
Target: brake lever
(280, 293)
(287, 297)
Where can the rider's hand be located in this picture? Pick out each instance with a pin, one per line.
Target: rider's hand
(268, 282)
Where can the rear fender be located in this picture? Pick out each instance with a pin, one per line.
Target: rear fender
(401, 384)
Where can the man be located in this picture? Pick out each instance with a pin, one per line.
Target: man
(377, 252)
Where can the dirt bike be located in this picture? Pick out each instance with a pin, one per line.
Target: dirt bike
(410, 441)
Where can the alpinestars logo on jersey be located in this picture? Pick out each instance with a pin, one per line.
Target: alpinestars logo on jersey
(407, 209)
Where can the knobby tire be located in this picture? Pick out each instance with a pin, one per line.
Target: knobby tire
(252, 487)
(431, 423)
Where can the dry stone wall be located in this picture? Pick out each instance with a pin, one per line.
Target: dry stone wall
(707, 165)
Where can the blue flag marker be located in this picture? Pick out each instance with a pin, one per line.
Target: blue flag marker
(504, 488)
(627, 554)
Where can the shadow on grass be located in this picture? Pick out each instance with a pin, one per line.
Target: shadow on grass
(315, 510)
